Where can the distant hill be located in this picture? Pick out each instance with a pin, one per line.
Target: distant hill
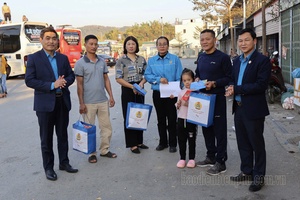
(99, 30)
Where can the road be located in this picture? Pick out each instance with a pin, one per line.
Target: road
(151, 175)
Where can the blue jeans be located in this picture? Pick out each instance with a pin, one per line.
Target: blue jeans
(3, 83)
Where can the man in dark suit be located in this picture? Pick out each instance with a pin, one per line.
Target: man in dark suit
(251, 72)
(50, 74)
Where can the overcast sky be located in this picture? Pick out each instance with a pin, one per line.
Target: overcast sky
(101, 12)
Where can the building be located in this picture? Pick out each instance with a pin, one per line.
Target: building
(187, 36)
(282, 32)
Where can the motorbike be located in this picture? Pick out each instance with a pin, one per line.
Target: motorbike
(276, 82)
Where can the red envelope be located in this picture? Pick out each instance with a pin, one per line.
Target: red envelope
(186, 95)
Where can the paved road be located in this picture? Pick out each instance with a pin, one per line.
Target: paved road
(152, 175)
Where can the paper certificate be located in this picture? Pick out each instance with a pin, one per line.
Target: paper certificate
(172, 88)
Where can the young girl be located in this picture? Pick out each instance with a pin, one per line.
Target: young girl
(186, 131)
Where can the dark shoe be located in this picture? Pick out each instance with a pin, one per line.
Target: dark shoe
(142, 146)
(161, 147)
(68, 168)
(172, 149)
(109, 155)
(241, 177)
(256, 185)
(217, 169)
(92, 159)
(135, 150)
(51, 175)
(206, 163)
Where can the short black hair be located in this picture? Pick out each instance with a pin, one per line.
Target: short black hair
(90, 37)
(209, 31)
(133, 39)
(48, 29)
(162, 37)
(248, 30)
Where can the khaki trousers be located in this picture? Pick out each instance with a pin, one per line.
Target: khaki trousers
(101, 110)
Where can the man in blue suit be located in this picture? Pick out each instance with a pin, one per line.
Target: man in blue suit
(251, 72)
(49, 73)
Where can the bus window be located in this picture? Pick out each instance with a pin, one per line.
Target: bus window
(32, 32)
(10, 39)
(17, 41)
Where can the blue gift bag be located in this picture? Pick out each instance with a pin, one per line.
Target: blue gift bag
(201, 109)
(137, 116)
(84, 137)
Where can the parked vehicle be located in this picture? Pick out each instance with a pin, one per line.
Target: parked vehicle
(69, 43)
(17, 41)
(276, 83)
(110, 61)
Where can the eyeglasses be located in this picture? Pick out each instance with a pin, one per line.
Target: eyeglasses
(162, 45)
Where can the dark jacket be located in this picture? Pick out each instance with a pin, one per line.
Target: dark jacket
(254, 85)
(39, 76)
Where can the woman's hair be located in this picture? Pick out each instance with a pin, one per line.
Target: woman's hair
(133, 39)
(188, 72)
(162, 37)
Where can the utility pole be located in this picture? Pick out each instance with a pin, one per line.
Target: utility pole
(162, 26)
(263, 24)
(244, 14)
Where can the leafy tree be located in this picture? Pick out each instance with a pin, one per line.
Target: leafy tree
(149, 31)
(221, 8)
(112, 35)
(181, 42)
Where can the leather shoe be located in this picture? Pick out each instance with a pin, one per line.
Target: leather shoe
(68, 168)
(51, 175)
(241, 177)
(161, 147)
(256, 185)
(172, 149)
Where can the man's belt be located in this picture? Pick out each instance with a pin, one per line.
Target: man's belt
(58, 94)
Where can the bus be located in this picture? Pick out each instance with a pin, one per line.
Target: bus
(104, 48)
(17, 41)
(69, 43)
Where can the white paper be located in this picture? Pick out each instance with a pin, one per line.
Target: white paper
(172, 88)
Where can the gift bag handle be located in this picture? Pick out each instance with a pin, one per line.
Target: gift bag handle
(81, 116)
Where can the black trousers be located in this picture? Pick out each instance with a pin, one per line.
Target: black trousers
(166, 111)
(251, 143)
(215, 136)
(187, 132)
(132, 137)
(58, 118)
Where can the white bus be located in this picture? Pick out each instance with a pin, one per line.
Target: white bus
(17, 41)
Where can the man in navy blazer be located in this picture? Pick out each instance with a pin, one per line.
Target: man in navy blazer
(49, 73)
(250, 74)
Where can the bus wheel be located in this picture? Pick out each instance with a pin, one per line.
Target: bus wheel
(8, 70)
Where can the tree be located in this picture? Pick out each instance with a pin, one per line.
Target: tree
(222, 8)
(149, 31)
(208, 20)
(181, 43)
(113, 34)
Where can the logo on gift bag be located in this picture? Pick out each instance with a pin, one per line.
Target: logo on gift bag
(198, 105)
(78, 136)
(139, 114)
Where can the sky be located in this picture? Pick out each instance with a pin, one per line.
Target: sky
(116, 13)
